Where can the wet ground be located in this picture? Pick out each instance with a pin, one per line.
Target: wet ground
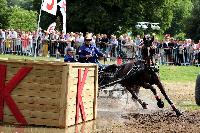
(125, 116)
(119, 114)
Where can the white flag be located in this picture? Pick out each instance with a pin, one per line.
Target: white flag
(51, 27)
(62, 5)
(50, 6)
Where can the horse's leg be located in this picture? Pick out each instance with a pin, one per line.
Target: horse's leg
(162, 90)
(135, 97)
(160, 103)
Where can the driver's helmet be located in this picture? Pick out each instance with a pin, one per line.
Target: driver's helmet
(70, 49)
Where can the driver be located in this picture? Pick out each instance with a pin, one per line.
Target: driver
(148, 50)
(88, 53)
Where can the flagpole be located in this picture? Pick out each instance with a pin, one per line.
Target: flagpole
(66, 17)
(38, 27)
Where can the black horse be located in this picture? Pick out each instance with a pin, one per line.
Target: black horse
(132, 76)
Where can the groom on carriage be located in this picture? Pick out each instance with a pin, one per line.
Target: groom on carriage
(148, 50)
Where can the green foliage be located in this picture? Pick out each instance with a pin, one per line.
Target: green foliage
(22, 19)
(193, 22)
(4, 13)
(108, 15)
(180, 36)
(189, 106)
(181, 11)
(58, 24)
(26, 4)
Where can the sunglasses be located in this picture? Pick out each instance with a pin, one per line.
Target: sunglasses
(88, 40)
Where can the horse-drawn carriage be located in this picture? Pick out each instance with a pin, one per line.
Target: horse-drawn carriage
(131, 76)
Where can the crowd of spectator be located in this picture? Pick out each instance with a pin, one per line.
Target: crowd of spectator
(168, 50)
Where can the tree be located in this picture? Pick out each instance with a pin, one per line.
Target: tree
(22, 19)
(181, 11)
(26, 4)
(193, 22)
(4, 13)
(108, 15)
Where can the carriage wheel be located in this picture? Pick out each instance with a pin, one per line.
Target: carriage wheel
(197, 90)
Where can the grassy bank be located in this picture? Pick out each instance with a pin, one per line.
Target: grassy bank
(179, 73)
(26, 57)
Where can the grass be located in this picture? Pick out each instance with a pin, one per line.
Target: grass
(26, 57)
(189, 106)
(179, 73)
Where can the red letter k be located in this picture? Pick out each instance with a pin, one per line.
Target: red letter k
(5, 91)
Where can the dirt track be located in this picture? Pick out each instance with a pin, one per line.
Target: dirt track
(157, 122)
(119, 116)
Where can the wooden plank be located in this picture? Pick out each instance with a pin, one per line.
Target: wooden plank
(35, 100)
(87, 94)
(49, 67)
(33, 121)
(75, 65)
(68, 89)
(45, 73)
(87, 106)
(25, 62)
(34, 114)
(42, 68)
(95, 93)
(75, 72)
(87, 127)
(38, 107)
(35, 93)
(42, 80)
(39, 87)
(72, 101)
(38, 80)
(90, 69)
(89, 116)
(63, 99)
(14, 65)
(89, 80)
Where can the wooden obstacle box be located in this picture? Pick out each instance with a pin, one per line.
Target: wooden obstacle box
(47, 93)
